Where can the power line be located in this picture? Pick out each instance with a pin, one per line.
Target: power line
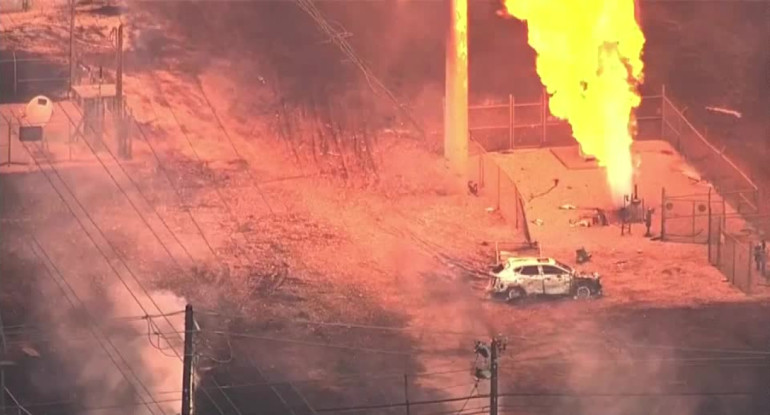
(470, 395)
(25, 328)
(475, 334)
(101, 251)
(93, 330)
(235, 149)
(216, 188)
(399, 404)
(575, 395)
(94, 408)
(225, 204)
(15, 401)
(131, 202)
(176, 191)
(357, 377)
(359, 326)
(337, 38)
(314, 344)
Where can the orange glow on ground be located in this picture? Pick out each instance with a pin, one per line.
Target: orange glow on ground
(589, 57)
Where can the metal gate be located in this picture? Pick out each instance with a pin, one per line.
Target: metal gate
(688, 218)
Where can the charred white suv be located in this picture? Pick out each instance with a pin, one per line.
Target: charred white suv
(517, 278)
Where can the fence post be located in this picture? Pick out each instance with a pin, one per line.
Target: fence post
(733, 273)
(15, 75)
(749, 277)
(663, 112)
(406, 392)
(663, 214)
(545, 117)
(693, 221)
(481, 170)
(498, 187)
(510, 121)
(724, 215)
(719, 246)
(516, 202)
(709, 227)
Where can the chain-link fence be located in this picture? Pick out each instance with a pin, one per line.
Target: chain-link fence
(687, 218)
(732, 255)
(516, 124)
(497, 186)
(731, 237)
(730, 181)
(23, 76)
(70, 135)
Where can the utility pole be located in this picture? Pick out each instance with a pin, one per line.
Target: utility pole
(119, 76)
(489, 370)
(72, 46)
(3, 353)
(189, 329)
(493, 364)
(123, 148)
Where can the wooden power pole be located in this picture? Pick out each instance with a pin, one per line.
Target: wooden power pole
(72, 47)
(189, 330)
(119, 113)
(493, 363)
(491, 354)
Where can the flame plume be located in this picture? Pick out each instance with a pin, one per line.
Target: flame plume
(589, 57)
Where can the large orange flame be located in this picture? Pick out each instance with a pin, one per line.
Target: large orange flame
(589, 57)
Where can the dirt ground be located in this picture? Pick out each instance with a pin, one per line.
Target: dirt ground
(216, 210)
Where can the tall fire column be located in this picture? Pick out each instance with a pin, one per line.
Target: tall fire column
(456, 94)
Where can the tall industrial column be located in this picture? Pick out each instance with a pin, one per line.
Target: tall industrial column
(456, 94)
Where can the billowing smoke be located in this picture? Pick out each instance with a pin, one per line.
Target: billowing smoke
(115, 358)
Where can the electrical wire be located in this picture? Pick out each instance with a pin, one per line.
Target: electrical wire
(25, 328)
(162, 168)
(131, 202)
(339, 40)
(314, 344)
(577, 395)
(61, 284)
(470, 395)
(83, 408)
(235, 149)
(101, 251)
(474, 334)
(358, 326)
(122, 336)
(15, 401)
(217, 191)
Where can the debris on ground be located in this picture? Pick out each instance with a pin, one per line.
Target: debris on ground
(567, 206)
(583, 223)
(538, 222)
(725, 111)
(473, 188)
(29, 351)
(582, 256)
(490, 209)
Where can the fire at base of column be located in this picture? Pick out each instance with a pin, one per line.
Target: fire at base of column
(456, 94)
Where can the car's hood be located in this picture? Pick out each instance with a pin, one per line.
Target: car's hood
(591, 275)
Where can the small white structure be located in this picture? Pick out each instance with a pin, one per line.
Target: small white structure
(38, 111)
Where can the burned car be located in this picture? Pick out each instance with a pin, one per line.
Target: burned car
(517, 278)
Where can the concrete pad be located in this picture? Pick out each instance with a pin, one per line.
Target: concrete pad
(546, 183)
(571, 159)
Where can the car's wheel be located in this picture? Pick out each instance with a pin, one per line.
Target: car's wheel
(583, 292)
(516, 293)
